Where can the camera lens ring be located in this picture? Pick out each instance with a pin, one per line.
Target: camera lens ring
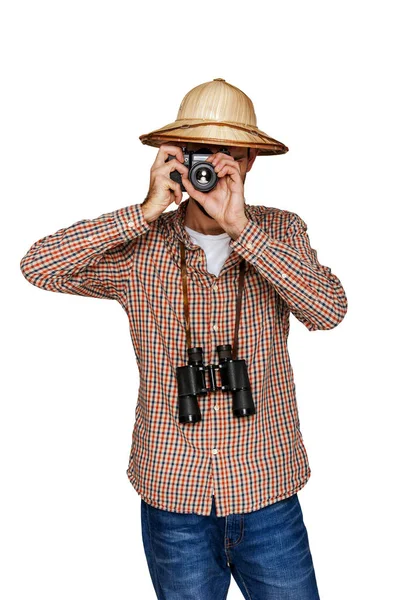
(209, 177)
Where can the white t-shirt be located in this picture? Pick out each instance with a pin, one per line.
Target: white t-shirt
(216, 247)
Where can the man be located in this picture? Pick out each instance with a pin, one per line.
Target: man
(218, 494)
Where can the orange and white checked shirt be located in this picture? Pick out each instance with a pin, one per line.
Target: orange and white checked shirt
(251, 461)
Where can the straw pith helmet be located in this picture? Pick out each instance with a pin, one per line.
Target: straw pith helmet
(216, 112)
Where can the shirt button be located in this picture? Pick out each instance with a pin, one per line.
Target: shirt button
(215, 327)
(90, 239)
(215, 287)
(199, 258)
(130, 224)
(284, 275)
(216, 407)
(250, 245)
(214, 451)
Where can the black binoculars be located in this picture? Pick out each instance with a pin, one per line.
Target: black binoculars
(191, 382)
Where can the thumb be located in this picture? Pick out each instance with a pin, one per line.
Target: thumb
(194, 193)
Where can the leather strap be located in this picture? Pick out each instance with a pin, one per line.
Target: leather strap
(185, 297)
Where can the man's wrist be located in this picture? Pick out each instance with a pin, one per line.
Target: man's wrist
(236, 230)
(148, 212)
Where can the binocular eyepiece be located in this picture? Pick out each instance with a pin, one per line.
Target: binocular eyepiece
(191, 380)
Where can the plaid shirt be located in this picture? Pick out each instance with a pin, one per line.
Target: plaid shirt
(252, 461)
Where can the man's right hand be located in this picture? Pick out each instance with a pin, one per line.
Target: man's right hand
(163, 190)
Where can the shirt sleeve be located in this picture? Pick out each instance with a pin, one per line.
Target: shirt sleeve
(90, 257)
(314, 295)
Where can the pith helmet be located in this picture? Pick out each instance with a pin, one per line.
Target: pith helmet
(216, 112)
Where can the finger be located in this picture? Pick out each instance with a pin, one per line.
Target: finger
(173, 165)
(222, 163)
(232, 170)
(163, 152)
(220, 157)
(220, 166)
(176, 188)
(212, 157)
(196, 194)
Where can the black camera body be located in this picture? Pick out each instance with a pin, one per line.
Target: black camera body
(201, 173)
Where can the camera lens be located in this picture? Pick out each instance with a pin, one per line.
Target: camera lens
(203, 177)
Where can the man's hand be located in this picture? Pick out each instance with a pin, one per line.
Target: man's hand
(225, 203)
(163, 190)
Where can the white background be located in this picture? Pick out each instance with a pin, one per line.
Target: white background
(80, 82)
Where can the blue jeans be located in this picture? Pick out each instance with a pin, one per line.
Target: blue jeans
(192, 557)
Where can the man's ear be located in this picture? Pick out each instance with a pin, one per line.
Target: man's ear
(253, 153)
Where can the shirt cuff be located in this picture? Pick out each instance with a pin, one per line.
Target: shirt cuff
(130, 221)
(252, 241)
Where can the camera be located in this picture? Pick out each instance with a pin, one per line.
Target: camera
(191, 382)
(201, 173)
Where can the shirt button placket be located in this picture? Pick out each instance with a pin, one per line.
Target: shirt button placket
(215, 406)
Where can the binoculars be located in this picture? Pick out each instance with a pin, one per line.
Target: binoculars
(191, 380)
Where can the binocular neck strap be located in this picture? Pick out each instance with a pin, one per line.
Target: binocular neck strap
(186, 306)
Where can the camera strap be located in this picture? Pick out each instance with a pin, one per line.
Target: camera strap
(186, 305)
